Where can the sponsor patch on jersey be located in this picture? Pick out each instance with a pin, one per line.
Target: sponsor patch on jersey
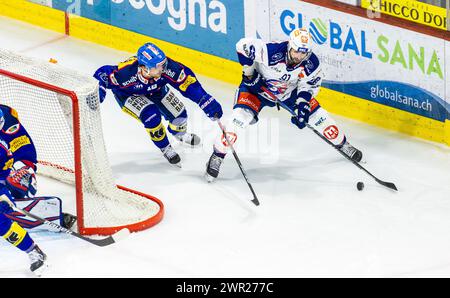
(249, 100)
(313, 104)
(189, 81)
(132, 80)
(13, 129)
(18, 143)
(331, 132)
(135, 104)
(170, 73)
(173, 104)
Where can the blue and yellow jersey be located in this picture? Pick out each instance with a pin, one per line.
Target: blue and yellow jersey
(124, 80)
(6, 160)
(17, 139)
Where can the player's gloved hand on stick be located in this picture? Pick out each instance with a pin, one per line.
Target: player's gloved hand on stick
(211, 108)
(255, 82)
(5, 202)
(303, 112)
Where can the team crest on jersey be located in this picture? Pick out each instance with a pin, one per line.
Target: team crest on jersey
(277, 87)
(13, 129)
(181, 76)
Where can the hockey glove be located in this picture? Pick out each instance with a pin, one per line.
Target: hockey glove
(101, 93)
(102, 76)
(21, 181)
(6, 203)
(211, 108)
(254, 83)
(303, 112)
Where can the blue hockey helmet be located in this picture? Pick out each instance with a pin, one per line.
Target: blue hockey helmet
(150, 55)
(2, 119)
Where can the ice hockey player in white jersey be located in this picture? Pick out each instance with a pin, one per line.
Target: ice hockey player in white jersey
(286, 74)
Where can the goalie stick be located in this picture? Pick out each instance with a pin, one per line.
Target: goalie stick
(255, 198)
(99, 242)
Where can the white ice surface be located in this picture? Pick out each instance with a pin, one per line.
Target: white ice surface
(312, 221)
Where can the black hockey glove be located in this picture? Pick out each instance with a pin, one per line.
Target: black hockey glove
(254, 83)
(303, 112)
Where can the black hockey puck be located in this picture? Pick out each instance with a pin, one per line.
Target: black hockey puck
(360, 186)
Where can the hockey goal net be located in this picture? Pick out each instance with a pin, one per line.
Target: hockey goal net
(60, 109)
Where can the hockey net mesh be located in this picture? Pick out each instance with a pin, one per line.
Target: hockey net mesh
(49, 119)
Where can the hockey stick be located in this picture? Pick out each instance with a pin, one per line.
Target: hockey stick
(386, 184)
(255, 198)
(99, 242)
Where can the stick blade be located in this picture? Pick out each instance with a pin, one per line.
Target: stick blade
(388, 185)
(255, 201)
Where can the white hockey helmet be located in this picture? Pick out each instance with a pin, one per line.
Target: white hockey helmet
(300, 40)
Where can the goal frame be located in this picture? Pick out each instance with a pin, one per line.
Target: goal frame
(78, 166)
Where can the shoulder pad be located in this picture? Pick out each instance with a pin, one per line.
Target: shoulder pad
(126, 73)
(276, 52)
(128, 62)
(311, 65)
(174, 71)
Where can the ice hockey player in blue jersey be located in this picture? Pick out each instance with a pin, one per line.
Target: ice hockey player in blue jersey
(140, 86)
(286, 74)
(18, 161)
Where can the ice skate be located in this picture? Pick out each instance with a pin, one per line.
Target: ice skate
(188, 138)
(37, 260)
(213, 167)
(171, 156)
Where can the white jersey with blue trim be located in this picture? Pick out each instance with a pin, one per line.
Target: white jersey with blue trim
(270, 60)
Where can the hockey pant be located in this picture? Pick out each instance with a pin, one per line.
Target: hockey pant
(148, 110)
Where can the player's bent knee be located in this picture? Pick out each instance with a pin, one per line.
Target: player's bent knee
(241, 118)
(178, 125)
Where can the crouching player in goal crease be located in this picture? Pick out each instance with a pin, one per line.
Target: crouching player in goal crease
(18, 161)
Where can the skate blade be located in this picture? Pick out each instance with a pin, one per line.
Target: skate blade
(41, 270)
(209, 178)
(176, 165)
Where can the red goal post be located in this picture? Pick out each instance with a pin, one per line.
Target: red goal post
(60, 109)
